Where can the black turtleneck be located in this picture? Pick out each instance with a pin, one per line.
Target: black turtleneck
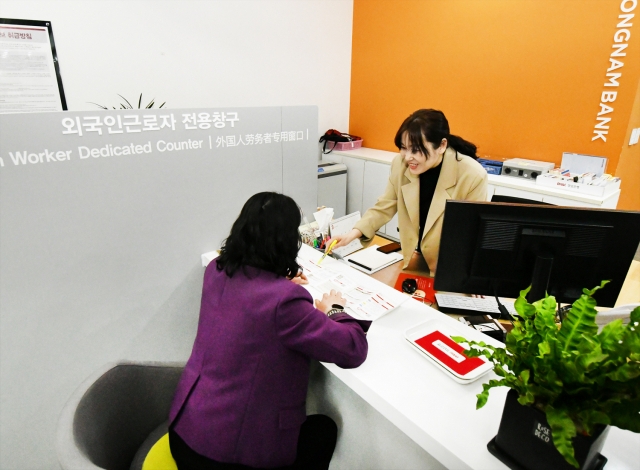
(428, 181)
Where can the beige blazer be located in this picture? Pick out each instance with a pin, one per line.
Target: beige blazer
(460, 180)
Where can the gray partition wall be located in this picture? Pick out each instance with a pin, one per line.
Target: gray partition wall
(103, 217)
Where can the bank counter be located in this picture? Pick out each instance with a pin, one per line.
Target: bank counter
(398, 411)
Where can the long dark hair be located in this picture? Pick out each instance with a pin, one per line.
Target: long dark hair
(264, 236)
(433, 125)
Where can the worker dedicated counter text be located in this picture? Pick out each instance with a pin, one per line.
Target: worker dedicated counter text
(47, 156)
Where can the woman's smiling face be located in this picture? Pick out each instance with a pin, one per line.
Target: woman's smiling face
(417, 161)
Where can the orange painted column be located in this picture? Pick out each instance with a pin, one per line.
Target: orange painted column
(629, 166)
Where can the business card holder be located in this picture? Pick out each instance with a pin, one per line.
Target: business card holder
(432, 339)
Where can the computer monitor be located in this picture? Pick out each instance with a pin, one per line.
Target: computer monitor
(499, 249)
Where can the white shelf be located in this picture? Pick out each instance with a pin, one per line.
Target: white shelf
(374, 155)
(531, 187)
(498, 184)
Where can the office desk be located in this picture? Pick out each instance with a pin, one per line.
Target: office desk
(398, 411)
(629, 293)
(388, 275)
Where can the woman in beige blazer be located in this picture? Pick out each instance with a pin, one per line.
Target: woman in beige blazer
(433, 166)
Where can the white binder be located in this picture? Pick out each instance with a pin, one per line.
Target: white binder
(371, 260)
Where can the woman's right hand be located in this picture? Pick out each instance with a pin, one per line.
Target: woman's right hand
(334, 297)
(344, 240)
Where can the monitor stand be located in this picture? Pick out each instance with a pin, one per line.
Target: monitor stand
(541, 276)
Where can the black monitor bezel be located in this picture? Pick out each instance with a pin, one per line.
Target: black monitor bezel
(460, 232)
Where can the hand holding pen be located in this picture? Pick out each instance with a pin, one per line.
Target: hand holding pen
(328, 251)
(344, 240)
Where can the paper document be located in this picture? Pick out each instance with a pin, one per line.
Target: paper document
(323, 218)
(342, 226)
(371, 260)
(367, 299)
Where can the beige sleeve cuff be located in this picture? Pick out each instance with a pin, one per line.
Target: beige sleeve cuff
(364, 225)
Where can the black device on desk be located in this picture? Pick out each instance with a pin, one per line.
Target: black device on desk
(497, 249)
(389, 248)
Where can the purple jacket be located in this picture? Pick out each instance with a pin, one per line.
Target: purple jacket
(241, 398)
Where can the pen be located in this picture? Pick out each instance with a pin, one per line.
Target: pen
(361, 265)
(328, 250)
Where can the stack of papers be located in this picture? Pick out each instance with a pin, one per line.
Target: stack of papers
(371, 260)
(367, 299)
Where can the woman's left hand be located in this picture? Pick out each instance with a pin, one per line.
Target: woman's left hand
(300, 279)
(325, 304)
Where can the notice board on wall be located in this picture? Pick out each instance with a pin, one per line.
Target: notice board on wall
(103, 218)
(30, 77)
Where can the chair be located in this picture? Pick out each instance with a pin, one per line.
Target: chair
(113, 412)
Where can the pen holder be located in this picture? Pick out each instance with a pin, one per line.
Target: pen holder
(320, 237)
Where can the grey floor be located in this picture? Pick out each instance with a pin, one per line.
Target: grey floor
(637, 256)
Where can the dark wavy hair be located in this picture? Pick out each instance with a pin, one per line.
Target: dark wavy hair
(264, 236)
(433, 125)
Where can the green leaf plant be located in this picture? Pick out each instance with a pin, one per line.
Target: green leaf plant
(578, 377)
(127, 105)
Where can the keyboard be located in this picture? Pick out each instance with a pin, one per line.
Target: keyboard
(455, 303)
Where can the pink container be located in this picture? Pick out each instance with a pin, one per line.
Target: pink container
(354, 144)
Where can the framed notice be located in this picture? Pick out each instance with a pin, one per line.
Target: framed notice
(30, 79)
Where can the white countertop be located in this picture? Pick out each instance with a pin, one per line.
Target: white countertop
(430, 408)
(433, 410)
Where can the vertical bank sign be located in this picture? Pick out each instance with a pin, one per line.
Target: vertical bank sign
(614, 71)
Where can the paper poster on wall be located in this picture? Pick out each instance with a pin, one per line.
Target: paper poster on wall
(30, 79)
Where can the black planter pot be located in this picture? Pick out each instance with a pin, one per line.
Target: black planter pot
(524, 441)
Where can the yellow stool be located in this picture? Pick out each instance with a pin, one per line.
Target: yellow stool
(159, 457)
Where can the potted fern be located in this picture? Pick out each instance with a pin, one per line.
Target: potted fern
(127, 105)
(568, 384)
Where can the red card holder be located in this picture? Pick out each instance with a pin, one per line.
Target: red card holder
(449, 353)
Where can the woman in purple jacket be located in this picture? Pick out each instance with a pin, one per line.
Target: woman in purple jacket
(241, 400)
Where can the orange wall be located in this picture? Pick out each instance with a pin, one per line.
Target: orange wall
(629, 166)
(519, 78)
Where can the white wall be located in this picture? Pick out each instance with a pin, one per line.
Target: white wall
(191, 54)
(202, 53)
